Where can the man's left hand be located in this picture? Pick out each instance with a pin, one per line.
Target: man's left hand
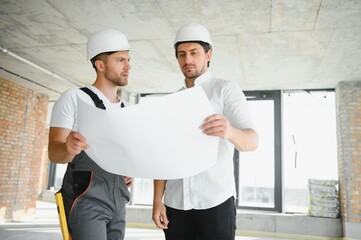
(217, 125)
(128, 181)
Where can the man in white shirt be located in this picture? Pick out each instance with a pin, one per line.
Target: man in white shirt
(202, 207)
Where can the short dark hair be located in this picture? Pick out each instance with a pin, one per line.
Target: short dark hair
(100, 57)
(206, 46)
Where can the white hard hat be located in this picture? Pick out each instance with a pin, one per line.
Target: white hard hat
(192, 32)
(106, 41)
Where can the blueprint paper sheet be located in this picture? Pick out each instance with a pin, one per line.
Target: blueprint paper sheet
(156, 139)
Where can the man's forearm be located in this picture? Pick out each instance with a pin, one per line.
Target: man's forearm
(159, 187)
(244, 139)
(58, 154)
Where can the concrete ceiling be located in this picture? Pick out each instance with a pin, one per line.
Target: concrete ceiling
(260, 44)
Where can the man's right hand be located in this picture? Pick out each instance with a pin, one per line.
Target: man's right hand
(64, 144)
(75, 143)
(160, 216)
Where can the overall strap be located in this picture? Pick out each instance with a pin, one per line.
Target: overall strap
(97, 101)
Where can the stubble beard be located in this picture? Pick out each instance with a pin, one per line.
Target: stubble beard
(191, 74)
(194, 73)
(119, 80)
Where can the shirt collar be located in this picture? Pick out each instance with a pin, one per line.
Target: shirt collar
(200, 80)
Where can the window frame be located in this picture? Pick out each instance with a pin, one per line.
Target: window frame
(275, 96)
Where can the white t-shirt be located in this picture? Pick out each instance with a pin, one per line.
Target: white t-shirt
(214, 186)
(64, 113)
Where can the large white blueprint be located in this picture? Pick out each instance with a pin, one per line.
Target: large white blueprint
(157, 139)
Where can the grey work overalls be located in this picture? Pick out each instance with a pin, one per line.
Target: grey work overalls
(94, 201)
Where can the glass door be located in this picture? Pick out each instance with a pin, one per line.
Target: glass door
(258, 173)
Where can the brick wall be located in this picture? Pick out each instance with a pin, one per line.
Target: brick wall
(348, 109)
(22, 146)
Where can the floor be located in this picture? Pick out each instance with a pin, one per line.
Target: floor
(46, 227)
(52, 232)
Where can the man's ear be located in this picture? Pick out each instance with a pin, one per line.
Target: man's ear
(99, 64)
(209, 55)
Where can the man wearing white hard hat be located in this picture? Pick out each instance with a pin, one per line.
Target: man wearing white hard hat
(94, 199)
(202, 207)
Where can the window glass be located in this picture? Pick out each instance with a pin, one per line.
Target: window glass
(309, 144)
(256, 169)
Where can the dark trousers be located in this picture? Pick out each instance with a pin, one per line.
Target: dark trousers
(217, 223)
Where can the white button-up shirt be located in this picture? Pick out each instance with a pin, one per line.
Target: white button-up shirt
(214, 186)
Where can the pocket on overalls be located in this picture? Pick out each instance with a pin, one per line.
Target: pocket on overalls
(75, 183)
(81, 182)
